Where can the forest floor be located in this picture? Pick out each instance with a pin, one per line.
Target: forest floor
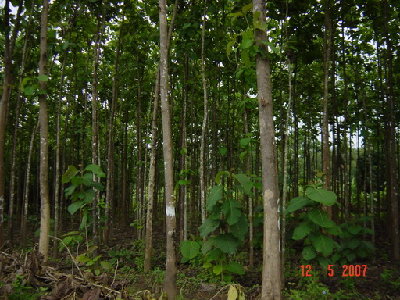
(114, 272)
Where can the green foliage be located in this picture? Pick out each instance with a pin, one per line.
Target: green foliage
(82, 190)
(324, 241)
(223, 231)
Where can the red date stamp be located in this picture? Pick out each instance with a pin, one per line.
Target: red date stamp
(347, 270)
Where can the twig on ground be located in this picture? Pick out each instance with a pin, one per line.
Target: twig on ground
(115, 273)
(70, 254)
(223, 288)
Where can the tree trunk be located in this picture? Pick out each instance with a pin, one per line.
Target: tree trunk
(44, 129)
(153, 155)
(25, 200)
(57, 162)
(14, 143)
(170, 273)
(95, 129)
(325, 117)
(110, 146)
(271, 283)
(204, 126)
(285, 172)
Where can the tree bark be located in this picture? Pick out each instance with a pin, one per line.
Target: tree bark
(95, 129)
(25, 199)
(271, 283)
(170, 273)
(110, 146)
(325, 117)
(14, 143)
(44, 132)
(153, 155)
(204, 126)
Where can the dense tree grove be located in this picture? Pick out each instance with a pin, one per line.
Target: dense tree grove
(233, 147)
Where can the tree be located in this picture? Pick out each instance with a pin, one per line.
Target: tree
(44, 132)
(271, 283)
(170, 273)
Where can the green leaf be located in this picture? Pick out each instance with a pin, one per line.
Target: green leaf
(190, 249)
(309, 253)
(354, 229)
(29, 90)
(235, 268)
(245, 183)
(84, 221)
(244, 142)
(247, 8)
(215, 194)
(323, 244)
(353, 244)
(301, 231)
(217, 269)
(206, 247)
(82, 258)
(208, 226)
(43, 77)
(96, 170)
(297, 203)
(223, 151)
(69, 174)
(322, 196)
(106, 265)
(239, 229)
(75, 206)
(219, 176)
(231, 210)
(320, 218)
(227, 243)
(335, 230)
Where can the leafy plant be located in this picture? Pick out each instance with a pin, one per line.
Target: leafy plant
(223, 231)
(82, 190)
(317, 230)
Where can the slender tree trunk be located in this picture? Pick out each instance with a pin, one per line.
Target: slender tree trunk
(204, 125)
(57, 162)
(5, 97)
(153, 156)
(390, 119)
(14, 143)
(285, 173)
(271, 283)
(325, 122)
(110, 146)
(44, 132)
(182, 167)
(95, 130)
(170, 273)
(25, 199)
(247, 198)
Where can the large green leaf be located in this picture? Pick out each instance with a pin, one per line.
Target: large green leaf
(69, 174)
(320, 218)
(239, 229)
(309, 253)
(208, 226)
(96, 170)
(301, 231)
(234, 267)
(216, 194)
(189, 249)
(322, 196)
(323, 244)
(245, 183)
(297, 203)
(75, 206)
(231, 210)
(227, 243)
